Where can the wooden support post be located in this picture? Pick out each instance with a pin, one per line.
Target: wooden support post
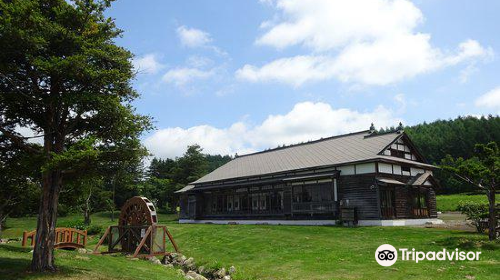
(25, 237)
(101, 240)
(172, 241)
(142, 241)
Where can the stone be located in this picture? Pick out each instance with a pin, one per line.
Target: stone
(195, 275)
(221, 272)
(82, 251)
(189, 264)
(134, 259)
(90, 251)
(169, 265)
(189, 261)
(201, 269)
(232, 270)
(180, 272)
(227, 277)
(181, 259)
(157, 261)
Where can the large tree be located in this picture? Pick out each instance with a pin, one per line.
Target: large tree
(482, 171)
(63, 76)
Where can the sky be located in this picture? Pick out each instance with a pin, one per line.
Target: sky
(243, 76)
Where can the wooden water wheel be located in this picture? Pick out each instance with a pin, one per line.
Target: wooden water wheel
(138, 213)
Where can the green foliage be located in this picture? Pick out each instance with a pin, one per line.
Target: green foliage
(78, 224)
(95, 230)
(475, 212)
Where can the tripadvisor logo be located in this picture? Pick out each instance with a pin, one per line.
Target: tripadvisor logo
(387, 255)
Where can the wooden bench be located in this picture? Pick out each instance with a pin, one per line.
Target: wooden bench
(66, 238)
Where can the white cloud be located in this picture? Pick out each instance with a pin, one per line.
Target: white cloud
(490, 100)
(358, 41)
(147, 64)
(192, 37)
(306, 121)
(183, 75)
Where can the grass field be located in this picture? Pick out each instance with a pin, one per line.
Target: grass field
(450, 202)
(273, 252)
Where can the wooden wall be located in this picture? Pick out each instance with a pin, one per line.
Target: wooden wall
(360, 193)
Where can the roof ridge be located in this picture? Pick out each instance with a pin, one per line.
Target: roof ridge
(305, 143)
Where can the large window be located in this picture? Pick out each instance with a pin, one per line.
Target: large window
(313, 193)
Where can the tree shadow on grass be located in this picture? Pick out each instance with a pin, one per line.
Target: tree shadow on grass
(469, 241)
(16, 267)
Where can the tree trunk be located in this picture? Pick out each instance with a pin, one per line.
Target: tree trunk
(1, 224)
(86, 217)
(86, 212)
(493, 216)
(43, 254)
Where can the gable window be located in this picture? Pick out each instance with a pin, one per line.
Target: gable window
(397, 153)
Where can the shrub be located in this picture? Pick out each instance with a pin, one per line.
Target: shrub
(475, 212)
(95, 230)
(78, 224)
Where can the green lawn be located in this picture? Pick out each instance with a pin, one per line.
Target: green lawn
(449, 202)
(280, 252)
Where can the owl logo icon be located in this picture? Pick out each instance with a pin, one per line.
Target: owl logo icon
(386, 255)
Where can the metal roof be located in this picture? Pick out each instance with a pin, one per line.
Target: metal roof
(337, 150)
(185, 189)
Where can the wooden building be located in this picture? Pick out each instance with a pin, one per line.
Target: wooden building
(380, 175)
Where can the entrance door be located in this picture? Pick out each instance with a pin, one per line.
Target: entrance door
(419, 202)
(387, 201)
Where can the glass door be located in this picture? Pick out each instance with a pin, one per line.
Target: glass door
(387, 202)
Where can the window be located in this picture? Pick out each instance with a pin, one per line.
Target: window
(255, 201)
(277, 201)
(236, 203)
(397, 153)
(313, 193)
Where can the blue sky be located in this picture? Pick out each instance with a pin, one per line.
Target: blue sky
(241, 76)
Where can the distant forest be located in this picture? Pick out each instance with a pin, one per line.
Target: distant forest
(455, 137)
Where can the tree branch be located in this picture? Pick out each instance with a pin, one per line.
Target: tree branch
(470, 181)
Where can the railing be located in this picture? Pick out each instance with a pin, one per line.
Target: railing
(314, 207)
(65, 238)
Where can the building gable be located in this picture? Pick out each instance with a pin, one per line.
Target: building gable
(402, 147)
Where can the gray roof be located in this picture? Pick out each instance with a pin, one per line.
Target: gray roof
(420, 179)
(335, 150)
(185, 189)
